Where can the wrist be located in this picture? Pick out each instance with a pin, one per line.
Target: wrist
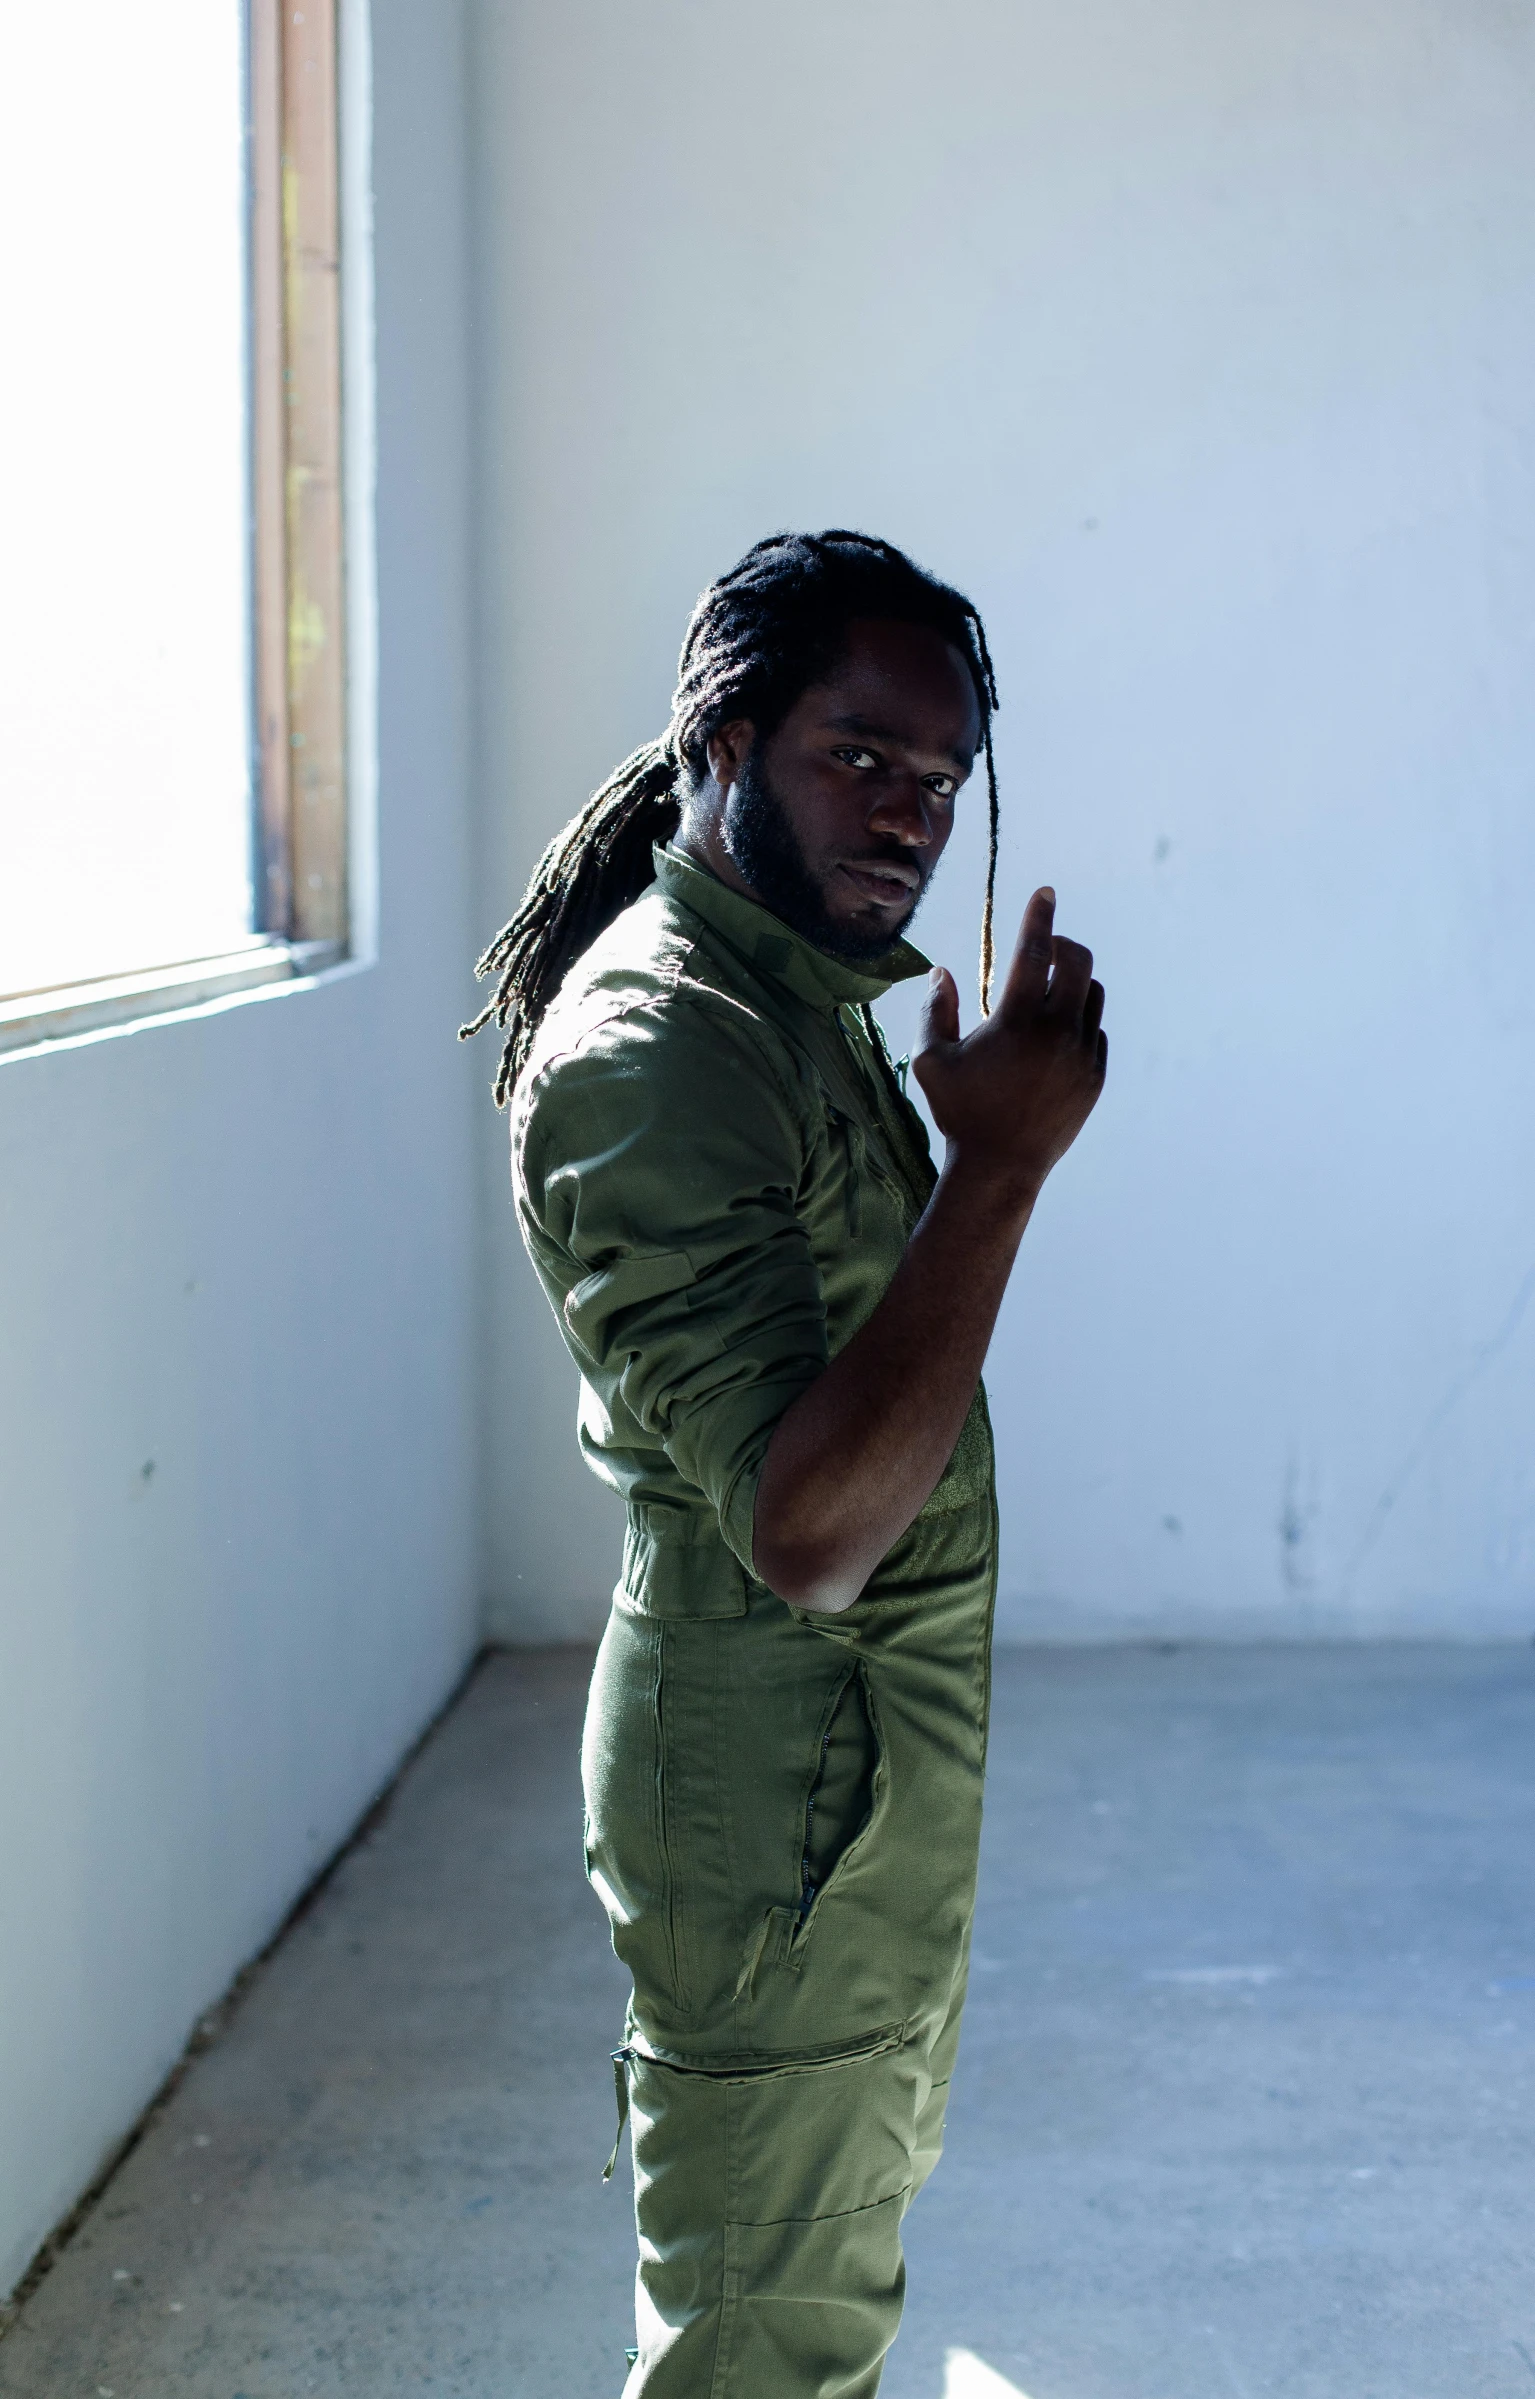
(997, 1192)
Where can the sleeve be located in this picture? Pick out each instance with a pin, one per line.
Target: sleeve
(657, 1167)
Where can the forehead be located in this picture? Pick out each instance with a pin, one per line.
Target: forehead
(904, 683)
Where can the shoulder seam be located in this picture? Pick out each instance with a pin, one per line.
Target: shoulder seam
(678, 988)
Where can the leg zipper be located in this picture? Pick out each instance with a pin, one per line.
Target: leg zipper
(621, 2059)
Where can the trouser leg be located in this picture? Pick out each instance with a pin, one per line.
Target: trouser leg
(928, 2146)
(769, 2212)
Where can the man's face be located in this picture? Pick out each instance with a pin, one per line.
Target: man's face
(837, 821)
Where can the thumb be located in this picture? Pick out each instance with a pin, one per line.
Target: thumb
(940, 1011)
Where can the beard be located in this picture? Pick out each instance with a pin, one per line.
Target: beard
(764, 845)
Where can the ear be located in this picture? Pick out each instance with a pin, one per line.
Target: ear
(727, 751)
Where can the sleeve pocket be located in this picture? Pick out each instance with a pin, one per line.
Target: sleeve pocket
(592, 1304)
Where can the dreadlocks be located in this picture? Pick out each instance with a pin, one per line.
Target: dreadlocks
(758, 637)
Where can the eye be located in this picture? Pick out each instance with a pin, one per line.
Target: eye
(864, 760)
(942, 787)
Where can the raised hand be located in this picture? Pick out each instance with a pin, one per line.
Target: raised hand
(855, 1456)
(1012, 1096)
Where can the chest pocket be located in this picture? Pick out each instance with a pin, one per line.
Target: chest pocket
(861, 1157)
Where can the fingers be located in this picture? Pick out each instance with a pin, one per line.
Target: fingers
(1092, 1014)
(939, 1031)
(1028, 976)
(1072, 979)
(940, 1010)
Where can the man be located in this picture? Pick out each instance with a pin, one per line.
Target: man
(780, 1314)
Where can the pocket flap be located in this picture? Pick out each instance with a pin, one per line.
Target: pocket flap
(591, 1304)
(678, 1566)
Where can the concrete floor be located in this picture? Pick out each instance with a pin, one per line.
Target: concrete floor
(1246, 2105)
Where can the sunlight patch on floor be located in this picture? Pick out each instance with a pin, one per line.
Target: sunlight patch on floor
(966, 2377)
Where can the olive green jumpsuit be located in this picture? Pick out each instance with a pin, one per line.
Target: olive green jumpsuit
(716, 1174)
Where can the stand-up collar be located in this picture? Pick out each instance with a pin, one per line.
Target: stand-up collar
(768, 944)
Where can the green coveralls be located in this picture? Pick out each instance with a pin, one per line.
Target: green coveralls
(716, 1174)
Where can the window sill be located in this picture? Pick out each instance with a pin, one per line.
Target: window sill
(35, 1019)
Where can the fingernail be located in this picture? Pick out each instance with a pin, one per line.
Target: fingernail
(1047, 892)
(934, 977)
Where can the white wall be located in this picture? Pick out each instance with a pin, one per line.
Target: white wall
(1196, 342)
(239, 1251)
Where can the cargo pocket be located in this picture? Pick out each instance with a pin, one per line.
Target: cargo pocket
(769, 2201)
(841, 1797)
(842, 1802)
(812, 2303)
(819, 2176)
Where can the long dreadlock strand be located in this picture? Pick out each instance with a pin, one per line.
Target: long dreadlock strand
(758, 637)
(989, 904)
(591, 870)
(993, 809)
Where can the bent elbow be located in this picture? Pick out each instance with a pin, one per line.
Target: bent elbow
(809, 1577)
(830, 1599)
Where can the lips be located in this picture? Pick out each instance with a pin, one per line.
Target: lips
(887, 886)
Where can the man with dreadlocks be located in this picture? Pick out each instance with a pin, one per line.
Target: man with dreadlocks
(780, 1313)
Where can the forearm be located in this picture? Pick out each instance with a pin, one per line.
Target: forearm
(854, 1459)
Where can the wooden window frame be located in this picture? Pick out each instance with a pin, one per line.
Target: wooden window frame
(299, 562)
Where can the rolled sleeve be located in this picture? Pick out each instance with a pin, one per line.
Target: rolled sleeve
(657, 1169)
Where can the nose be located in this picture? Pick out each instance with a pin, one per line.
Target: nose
(903, 813)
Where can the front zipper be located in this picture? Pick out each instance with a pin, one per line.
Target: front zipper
(621, 2059)
(855, 1159)
(806, 1884)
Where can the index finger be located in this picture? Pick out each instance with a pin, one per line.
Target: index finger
(1028, 976)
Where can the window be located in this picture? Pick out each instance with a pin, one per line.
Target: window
(172, 616)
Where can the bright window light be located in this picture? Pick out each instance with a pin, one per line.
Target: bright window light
(124, 602)
(967, 2376)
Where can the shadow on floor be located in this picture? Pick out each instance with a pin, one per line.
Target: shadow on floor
(1246, 2106)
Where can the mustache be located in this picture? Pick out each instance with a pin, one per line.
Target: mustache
(898, 863)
